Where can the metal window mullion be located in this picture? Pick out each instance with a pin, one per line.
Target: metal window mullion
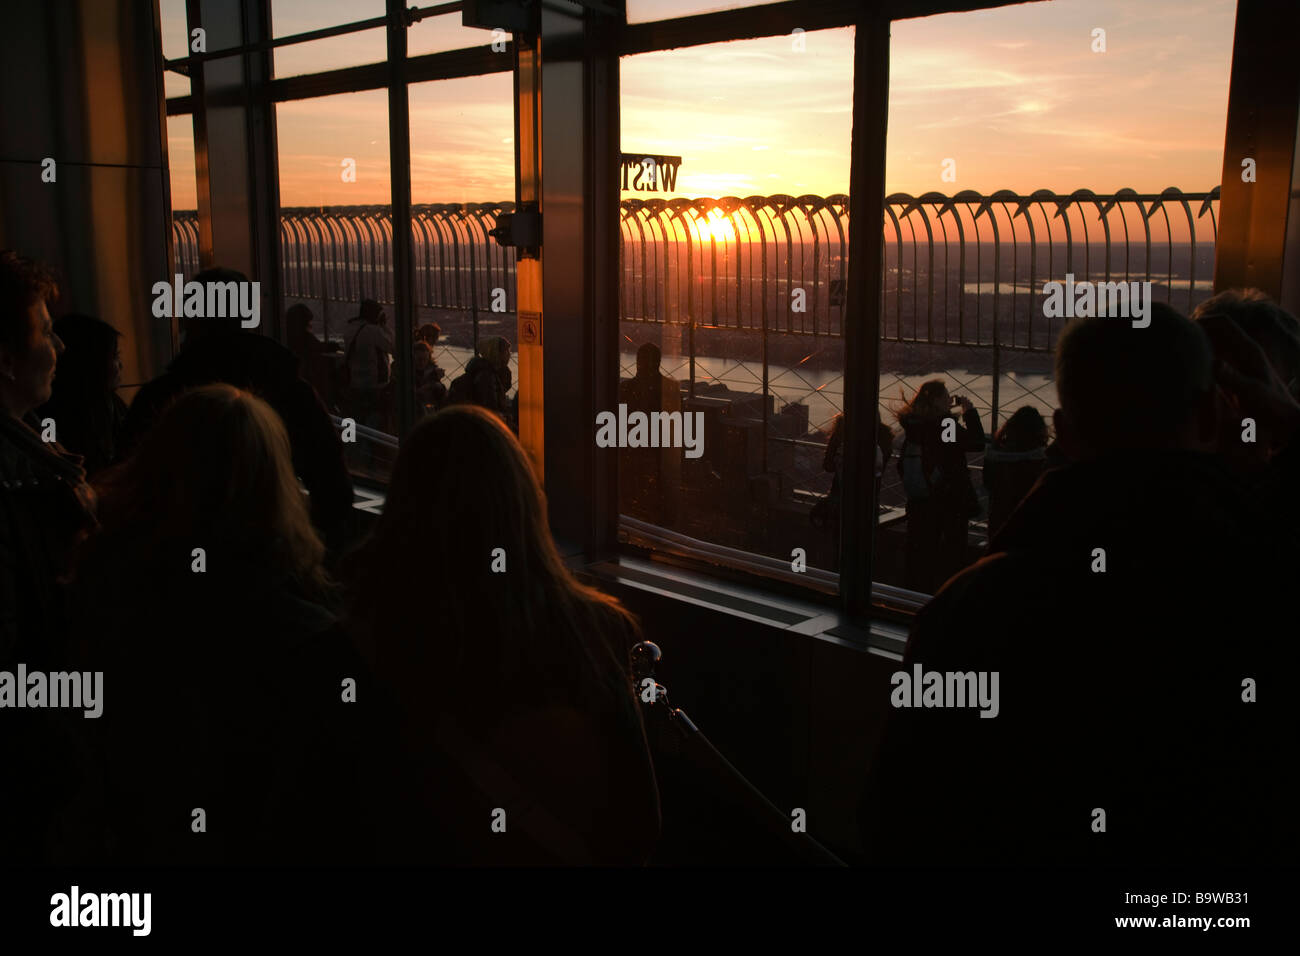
(399, 152)
(863, 303)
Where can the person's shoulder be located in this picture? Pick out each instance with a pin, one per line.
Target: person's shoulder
(972, 605)
(255, 343)
(268, 350)
(156, 392)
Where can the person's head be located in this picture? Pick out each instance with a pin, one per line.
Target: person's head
(297, 322)
(495, 350)
(429, 333)
(372, 312)
(1129, 389)
(195, 327)
(91, 362)
(465, 515)
(647, 360)
(1025, 430)
(931, 401)
(216, 472)
(29, 347)
(1275, 329)
(423, 355)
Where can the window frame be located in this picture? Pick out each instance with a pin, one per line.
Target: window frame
(858, 598)
(395, 74)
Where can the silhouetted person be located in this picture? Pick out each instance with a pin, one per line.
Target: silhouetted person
(44, 505)
(84, 404)
(369, 358)
(1255, 375)
(430, 393)
(486, 380)
(650, 478)
(429, 333)
(44, 499)
(828, 513)
(507, 670)
(1278, 334)
(1133, 614)
(204, 601)
(1015, 459)
(317, 359)
(1053, 455)
(940, 496)
(218, 350)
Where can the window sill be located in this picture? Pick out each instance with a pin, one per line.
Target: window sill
(747, 603)
(751, 603)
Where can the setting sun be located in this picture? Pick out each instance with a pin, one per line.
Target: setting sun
(716, 226)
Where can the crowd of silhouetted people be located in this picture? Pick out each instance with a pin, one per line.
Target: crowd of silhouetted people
(444, 690)
(357, 378)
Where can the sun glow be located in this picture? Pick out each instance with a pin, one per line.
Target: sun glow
(716, 226)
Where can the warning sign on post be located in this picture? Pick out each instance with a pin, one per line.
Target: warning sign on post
(530, 328)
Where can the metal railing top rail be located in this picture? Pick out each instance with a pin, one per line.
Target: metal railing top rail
(962, 269)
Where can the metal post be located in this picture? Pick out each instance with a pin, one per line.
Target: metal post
(399, 153)
(863, 307)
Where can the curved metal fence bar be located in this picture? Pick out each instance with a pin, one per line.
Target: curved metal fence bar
(750, 292)
(185, 242)
(780, 262)
(965, 271)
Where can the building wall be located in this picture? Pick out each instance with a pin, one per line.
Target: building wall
(799, 716)
(82, 88)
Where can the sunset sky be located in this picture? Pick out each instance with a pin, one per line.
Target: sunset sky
(1015, 96)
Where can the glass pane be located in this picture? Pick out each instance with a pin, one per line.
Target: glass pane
(185, 216)
(175, 46)
(175, 36)
(642, 11)
(336, 250)
(462, 176)
(332, 53)
(439, 34)
(175, 85)
(732, 304)
(289, 17)
(1004, 103)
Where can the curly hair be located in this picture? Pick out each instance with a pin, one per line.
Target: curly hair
(23, 283)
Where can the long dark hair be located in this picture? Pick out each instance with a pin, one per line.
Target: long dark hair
(1023, 431)
(217, 472)
(445, 629)
(926, 403)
